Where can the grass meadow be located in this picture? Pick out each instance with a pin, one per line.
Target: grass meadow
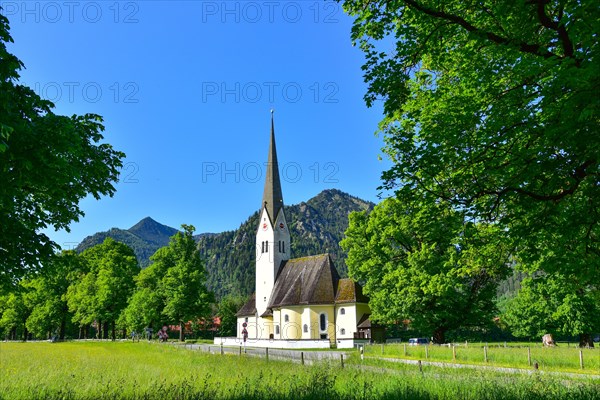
(125, 370)
(561, 358)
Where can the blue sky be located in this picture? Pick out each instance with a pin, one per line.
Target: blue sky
(185, 88)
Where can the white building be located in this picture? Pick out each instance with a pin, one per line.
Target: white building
(300, 302)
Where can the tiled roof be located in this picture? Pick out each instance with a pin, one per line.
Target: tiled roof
(249, 308)
(349, 291)
(306, 280)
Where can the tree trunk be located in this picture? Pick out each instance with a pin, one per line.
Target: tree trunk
(113, 333)
(181, 335)
(105, 330)
(439, 335)
(25, 333)
(80, 331)
(61, 329)
(585, 340)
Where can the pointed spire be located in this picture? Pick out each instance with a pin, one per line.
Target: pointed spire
(272, 197)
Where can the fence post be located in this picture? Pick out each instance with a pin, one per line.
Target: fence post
(466, 344)
(302, 357)
(426, 352)
(420, 366)
(267, 353)
(382, 352)
(221, 348)
(453, 353)
(581, 358)
(362, 353)
(529, 356)
(342, 360)
(485, 358)
(240, 350)
(404, 349)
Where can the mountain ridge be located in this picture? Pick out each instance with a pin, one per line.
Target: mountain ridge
(316, 226)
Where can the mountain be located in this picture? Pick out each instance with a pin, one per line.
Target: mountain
(316, 227)
(144, 238)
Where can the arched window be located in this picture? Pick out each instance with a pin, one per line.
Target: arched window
(283, 247)
(277, 329)
(286, 318)
(263, 247)
(342, 311)
(343, 331)
(267, 246)
(323, 322)
(305, 328)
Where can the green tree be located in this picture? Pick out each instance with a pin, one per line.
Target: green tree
(553, 304)
(227, 309)
(103, 292)
(81, 301)
(493, 107)
(183, 285)
(426, 264)
(15, 311)
(144, 308)
(48, 163)
(48, 295)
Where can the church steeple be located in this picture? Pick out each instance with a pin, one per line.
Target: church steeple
(272, 197)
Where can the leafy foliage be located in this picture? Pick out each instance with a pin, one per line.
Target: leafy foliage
(553, 304)
(48, 163)
(183, 284)
(102, 293)
(493, 108)
(227, 309)
(426, 264)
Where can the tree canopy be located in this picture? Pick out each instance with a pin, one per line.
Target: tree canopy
(426, 264)
(493, 107)
(184, 282)
(102, 293)
(48, 163)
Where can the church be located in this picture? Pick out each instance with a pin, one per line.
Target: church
(298, 302)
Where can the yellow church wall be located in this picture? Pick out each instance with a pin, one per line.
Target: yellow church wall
(292, 328)
(315, 315)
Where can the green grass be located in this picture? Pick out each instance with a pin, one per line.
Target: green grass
(563, 359)
(105, 370)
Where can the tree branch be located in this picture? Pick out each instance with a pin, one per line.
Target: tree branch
(525, 47)
(555, 26)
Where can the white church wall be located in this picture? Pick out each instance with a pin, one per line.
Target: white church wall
(275, 344)
(265, 270)
(346, 320)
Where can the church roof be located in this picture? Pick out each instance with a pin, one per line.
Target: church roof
(306, 280)
(272, 195)
(249, 308)
(349, 291)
